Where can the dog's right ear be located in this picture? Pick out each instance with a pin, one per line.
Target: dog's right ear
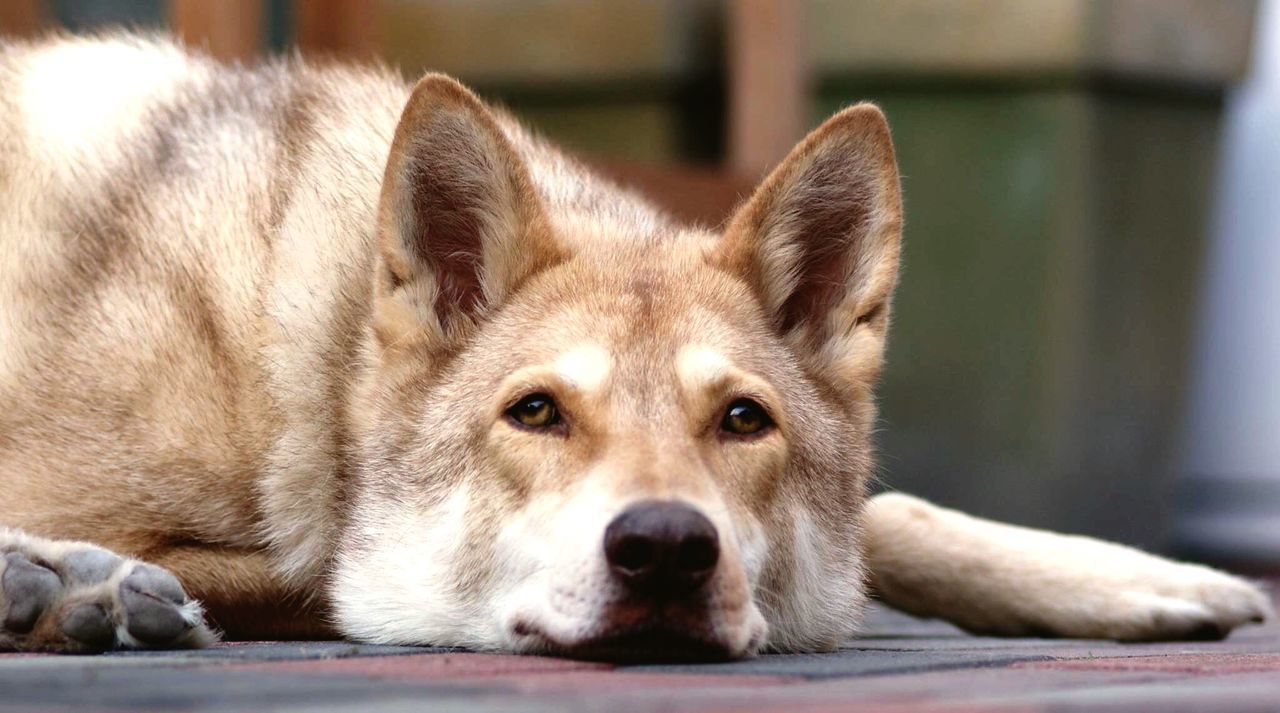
(459, 223)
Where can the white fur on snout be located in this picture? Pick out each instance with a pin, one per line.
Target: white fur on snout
(585, 366)
(554, 549)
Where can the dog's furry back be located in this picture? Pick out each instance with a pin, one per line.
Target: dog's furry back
(185, 251)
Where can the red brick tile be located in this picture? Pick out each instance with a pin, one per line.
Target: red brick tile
(1195, 664)
(620, 680)
(524, 673)
(837, 706)
(419, 667)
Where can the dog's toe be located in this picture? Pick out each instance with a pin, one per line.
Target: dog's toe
(90, 624)
(1235, 600)
(29, 590)
(90, 566)
(1191, 603)
(154, 604)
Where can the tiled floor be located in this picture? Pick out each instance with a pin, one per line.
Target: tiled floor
(900, 664)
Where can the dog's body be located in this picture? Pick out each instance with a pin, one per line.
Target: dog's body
(346, 355)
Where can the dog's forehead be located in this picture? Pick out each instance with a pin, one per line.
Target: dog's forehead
(652, 319)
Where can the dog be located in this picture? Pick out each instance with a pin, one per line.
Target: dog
(307, 351)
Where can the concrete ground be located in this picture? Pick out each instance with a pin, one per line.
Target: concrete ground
(900, 664)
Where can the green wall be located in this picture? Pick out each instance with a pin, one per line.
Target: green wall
(1053, 238)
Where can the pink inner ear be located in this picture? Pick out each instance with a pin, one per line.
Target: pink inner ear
(448, 230)
(830, 209)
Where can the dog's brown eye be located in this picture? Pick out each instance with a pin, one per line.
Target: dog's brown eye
(745, 417)
(535, 411)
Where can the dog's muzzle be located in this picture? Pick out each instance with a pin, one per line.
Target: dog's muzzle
(664, 571)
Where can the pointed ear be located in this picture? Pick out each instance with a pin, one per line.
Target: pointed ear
(818, 242)
(459, 223)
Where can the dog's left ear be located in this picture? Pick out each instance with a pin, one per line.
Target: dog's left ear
(818, 243)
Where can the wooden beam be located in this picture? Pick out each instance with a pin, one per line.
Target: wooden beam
(338, 28)
(23, 18)
(230, 30)
(768, 82)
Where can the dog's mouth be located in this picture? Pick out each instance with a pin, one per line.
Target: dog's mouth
(650, 644)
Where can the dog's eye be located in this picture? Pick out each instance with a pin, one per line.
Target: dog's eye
(745, 417)
(535, 411)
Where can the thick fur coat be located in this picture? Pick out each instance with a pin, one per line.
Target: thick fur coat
(263, 332)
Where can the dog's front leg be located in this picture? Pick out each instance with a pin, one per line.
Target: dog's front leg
(242, 594)
(992, 578)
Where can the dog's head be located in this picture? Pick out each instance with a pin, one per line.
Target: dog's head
(595, 432)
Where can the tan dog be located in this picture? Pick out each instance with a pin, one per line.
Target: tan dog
(348, 357)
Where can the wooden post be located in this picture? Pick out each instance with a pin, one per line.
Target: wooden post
(339, 28)
(768, 82)
(230, 30)
(22, 18)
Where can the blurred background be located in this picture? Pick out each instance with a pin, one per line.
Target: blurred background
(1087, 335)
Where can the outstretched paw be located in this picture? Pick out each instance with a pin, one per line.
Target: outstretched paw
(1175, 601)
(74, 597)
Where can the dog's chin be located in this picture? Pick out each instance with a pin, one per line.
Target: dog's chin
(654, 637)
(619, 628)
(651, 644)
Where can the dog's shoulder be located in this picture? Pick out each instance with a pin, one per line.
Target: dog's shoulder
(90, 101)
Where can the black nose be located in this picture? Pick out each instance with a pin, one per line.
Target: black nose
(662, 547)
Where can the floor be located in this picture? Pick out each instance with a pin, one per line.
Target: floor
(900, 664)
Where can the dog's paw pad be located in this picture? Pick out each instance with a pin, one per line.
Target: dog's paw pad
(89, 624)
(90, 566)
(29, 590)
(155, 606)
